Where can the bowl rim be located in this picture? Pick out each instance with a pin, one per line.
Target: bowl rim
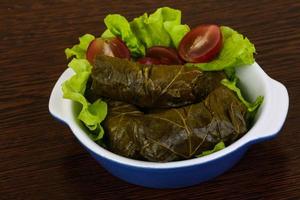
(61, 109)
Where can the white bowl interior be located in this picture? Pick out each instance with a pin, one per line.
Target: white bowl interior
(253, 83)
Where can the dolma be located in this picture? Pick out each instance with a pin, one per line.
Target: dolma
(176, 133)
(150, 86)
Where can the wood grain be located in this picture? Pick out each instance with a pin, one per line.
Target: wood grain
(40, 158)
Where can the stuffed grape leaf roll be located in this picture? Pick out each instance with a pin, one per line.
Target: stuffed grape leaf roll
(176, 133)
(151, 86)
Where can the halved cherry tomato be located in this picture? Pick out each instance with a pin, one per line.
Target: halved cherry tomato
(166, 55)
(201, 44)
(149, 61)
(113, 47)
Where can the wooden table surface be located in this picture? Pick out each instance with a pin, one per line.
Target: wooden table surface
(41, 159)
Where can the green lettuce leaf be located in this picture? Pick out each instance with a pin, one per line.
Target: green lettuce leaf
(91, 114)
(237, 51)
(107, 34)
(176, 32)
(232, 85)
(163, 27)
(230, 73)
(217, 147)
(79, 50)
(172, 24)
(118, 25)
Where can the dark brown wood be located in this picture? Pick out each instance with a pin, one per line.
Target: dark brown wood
(41, 159)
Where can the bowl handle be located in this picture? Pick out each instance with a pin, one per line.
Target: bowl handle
(277, 109)
(56, 101)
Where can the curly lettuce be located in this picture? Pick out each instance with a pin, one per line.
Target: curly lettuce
(216, 148)
(79, 50)
(232, 85)
(91, 114)
(163, 27)
(237, 51)
(118, 25)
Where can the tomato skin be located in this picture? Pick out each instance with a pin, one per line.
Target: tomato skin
(113, 47)
(119, 48)
(149, 61)
(201, 44)
(95, 46)
(166, 55)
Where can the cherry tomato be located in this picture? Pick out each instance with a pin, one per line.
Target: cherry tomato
(201, 44)
(149, 61)
(113, 47)
(166, 55)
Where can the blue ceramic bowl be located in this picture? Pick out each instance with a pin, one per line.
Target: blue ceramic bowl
(268, 123)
